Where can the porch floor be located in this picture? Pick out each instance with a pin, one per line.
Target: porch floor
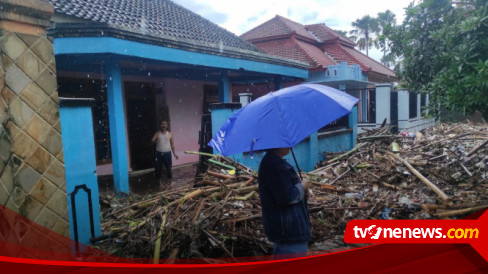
(143, 182)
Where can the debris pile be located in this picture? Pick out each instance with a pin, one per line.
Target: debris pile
(219, 216)
(438, 173)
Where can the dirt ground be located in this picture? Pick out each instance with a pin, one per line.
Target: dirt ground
(143, 182)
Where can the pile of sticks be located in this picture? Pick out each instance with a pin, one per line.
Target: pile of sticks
(217, 217)
(438, 173)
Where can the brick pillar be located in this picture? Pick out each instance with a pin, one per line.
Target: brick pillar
(32, 179)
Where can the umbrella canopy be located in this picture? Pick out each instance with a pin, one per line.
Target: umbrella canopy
(282, 118)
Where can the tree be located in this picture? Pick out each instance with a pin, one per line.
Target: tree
(387, 22)
(443, 45)
(364, 29)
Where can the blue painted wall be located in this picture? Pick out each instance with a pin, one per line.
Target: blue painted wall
(80, 169)
(110, 45)
(340, 72)
(307, 153)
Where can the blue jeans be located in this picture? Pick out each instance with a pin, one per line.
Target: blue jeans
(289, 250)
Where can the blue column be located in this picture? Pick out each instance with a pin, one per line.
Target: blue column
(353, 123)
(314, 151)
(80, 166)
(278, 83)
(116, 116)
(224, 87)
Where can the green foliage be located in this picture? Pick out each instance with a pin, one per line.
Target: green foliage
(387, 22)
(444, 46)
(364, 29)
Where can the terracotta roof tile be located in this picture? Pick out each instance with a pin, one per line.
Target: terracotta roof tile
(370, 62)
(316, 54)
(287, 49)
(324, 33)
(270, 37)
(277, 26)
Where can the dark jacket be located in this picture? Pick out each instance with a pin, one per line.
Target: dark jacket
(284, 209)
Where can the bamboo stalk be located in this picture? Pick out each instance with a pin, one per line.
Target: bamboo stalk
(157, 247)
(347, 153)
(191, 195)
(221, 164)
(197, 211)
(477, 148)
(340, 176)
(438, 157)
(421, 177)
(220, 175)
(220, 244)
(247, 189)
(245, 197)
(460, 211)
(466, 170)
(200, 153)
(379, 137)
(249, 181)
(391, 186)
(172, 256)
(248, 218)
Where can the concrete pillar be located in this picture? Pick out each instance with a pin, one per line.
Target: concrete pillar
(220, 113)
(383, 103)
(32, 171)
(245, 98)
(313, 151)
(224, 87)
(352, 122)
(403, 109)
(116, 116)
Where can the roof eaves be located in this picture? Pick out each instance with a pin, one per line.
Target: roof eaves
(103, 29)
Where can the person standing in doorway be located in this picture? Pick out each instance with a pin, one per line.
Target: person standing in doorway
(164, 146)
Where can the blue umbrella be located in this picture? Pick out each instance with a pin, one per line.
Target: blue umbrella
(282, 118)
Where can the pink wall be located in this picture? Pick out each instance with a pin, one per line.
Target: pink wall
(185, 101)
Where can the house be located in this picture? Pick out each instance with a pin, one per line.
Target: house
(143, 61)
(83, 97)
(334, 61)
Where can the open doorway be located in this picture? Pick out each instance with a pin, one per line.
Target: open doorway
(141, 123)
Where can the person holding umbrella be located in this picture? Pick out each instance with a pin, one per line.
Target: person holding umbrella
(278, 121)
(284, 207)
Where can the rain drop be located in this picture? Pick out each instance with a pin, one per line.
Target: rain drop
(149, 74)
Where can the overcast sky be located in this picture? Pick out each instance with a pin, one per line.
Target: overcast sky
(241, 16)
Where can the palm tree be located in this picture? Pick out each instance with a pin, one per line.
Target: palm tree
(365, 27)
(386, 21)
